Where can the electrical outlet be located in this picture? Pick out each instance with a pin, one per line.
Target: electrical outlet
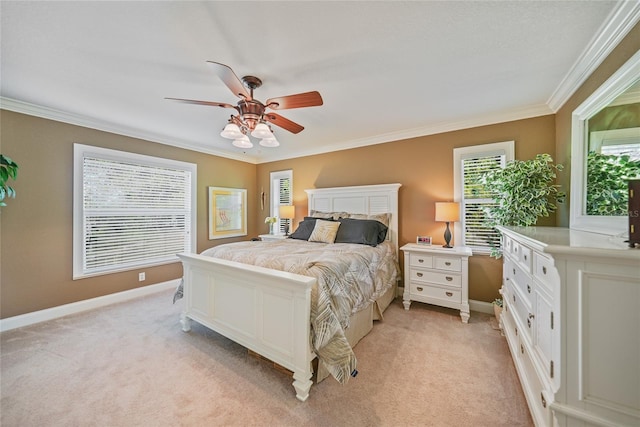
(141, 277)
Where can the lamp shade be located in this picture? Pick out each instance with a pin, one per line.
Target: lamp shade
(447, 211)
(269, 142)
(262, 131)
(242, 142)
(287, 212)
(231, 131)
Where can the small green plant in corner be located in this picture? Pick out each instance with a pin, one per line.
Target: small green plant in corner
(8, 170)
(523, 191)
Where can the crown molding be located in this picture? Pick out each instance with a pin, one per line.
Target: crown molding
(477, 121)
(621, 20)
(105, 126)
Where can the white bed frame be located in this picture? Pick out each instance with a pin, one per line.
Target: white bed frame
(267, 310)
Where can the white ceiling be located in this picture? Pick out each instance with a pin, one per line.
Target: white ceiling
(386, 70)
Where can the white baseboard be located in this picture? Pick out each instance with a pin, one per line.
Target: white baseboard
(481, 306)
(80, 306)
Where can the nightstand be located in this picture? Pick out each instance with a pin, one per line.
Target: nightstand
(272, 237)
(438, 276)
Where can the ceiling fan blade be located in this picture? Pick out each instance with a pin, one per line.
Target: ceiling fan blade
(287, 124)
(229, 78)
(209, 103)
(307, 99)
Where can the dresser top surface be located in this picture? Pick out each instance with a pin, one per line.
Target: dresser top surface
(560, 240)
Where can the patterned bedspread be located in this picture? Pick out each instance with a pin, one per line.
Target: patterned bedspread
(350, 277)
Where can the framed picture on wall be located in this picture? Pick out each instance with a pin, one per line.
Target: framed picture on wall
(227, 212)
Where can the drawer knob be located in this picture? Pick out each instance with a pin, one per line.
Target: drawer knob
(514, 271)
(449, 278)
(543, 400)
(419, 288)
(521, 349)
(447, 263)
(529, 288)
(525, 257)
(420, 260)
(544, 270)
(449, 294)
(419, 274)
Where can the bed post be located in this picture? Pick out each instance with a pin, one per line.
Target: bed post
(303, 383)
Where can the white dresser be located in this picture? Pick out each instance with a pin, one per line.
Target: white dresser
(572, 320)
(438, 276)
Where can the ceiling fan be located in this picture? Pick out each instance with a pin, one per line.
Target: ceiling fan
(252, 117)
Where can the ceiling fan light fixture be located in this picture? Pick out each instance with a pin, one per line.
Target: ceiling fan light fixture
(231, 131)
(262, 131)
(269, 142)
(242, 142)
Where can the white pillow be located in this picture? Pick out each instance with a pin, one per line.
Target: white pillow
(324, 231)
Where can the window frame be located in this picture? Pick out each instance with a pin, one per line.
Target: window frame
(459, 154)
(274, 206)
(81, 152)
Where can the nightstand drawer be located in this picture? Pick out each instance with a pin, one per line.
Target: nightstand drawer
(450, 264)
(426, 276)
(436, 292)
(420, 260)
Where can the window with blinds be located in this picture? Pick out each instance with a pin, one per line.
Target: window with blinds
(130, 211)
(471, 163)
(281, 195)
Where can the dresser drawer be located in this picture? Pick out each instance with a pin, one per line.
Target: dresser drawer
(544, 270)
(428, 276)
(420, 260)
(449, 264)
(522, 255)
(521, 280)
(443, 294)
(521, 310)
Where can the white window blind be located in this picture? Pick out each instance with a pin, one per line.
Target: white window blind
(282, 195)
(130, 211)
(475, 199)
(471, 163)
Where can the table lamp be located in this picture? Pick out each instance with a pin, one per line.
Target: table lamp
(287, 212)
(447, 212)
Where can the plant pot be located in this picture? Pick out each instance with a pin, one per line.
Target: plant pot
(497, 311)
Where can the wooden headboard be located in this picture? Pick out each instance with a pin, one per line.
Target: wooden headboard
(362, 199)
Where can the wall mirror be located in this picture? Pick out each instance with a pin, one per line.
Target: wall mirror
(605, 127)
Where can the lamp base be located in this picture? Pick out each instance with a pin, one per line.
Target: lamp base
(447, 237)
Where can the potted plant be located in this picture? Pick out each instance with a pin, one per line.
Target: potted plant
(8, 170)
(270, 220)
(523, 191)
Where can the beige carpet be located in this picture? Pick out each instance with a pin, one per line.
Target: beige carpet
(130, 365)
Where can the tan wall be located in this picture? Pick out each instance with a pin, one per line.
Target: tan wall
(424, 167)
(35, 229)
(36, 226)
(621, 54)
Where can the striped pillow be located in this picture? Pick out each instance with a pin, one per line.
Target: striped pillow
(324, 231)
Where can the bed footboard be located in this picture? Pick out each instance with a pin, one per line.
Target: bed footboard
(267, 311)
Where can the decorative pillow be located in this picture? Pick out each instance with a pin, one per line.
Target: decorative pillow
(384, 218)
(304, 230)
(324, 231)
(362, 231)
(328, 215)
